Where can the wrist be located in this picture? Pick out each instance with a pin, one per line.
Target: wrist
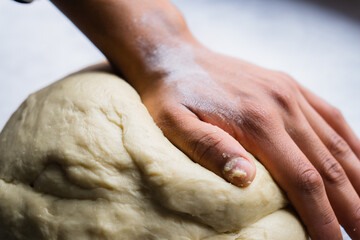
(155, 61)
(128, 33)
(154, 36)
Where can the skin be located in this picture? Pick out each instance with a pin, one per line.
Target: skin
(216, 109)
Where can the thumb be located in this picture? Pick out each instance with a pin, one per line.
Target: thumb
(213, 148)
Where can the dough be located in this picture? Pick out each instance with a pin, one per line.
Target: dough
(83, 159)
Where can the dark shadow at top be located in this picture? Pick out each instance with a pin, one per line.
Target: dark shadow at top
(349, 8)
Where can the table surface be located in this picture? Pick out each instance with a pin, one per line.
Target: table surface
(315, 41)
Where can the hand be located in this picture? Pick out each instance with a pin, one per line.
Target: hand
(216, 108)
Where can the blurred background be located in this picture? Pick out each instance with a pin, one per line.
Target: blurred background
(315, 41)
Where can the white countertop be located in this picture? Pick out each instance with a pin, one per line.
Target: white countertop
(313, 41)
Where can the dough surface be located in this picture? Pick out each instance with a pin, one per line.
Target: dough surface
(83, 159)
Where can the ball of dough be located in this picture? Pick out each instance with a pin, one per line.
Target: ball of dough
(83, 159)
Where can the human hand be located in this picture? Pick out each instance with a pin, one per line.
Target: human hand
(216, 108)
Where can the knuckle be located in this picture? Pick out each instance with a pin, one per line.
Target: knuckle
(167, 117)
(309, 181)
(328, 225)
(357, 218)
(284, 98)
(337, 146)
(332, 171)
(204, 146)
(354, 225)
(335, 114)
(255, 118)
(330, 220)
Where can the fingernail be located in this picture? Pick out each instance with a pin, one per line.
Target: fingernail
(236, 171)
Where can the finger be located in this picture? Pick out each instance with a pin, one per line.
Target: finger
(211, 147)
(334, 118)
(337, 146)
(300, 180)
(341, 194)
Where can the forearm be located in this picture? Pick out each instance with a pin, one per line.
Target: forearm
(127, 32)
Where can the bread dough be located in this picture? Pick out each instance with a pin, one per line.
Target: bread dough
(83, 159)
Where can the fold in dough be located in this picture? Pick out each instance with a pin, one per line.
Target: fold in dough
(83, 159)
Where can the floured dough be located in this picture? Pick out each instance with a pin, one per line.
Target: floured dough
(83, 159)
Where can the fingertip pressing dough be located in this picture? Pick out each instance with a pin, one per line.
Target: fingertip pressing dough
(83, 159)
